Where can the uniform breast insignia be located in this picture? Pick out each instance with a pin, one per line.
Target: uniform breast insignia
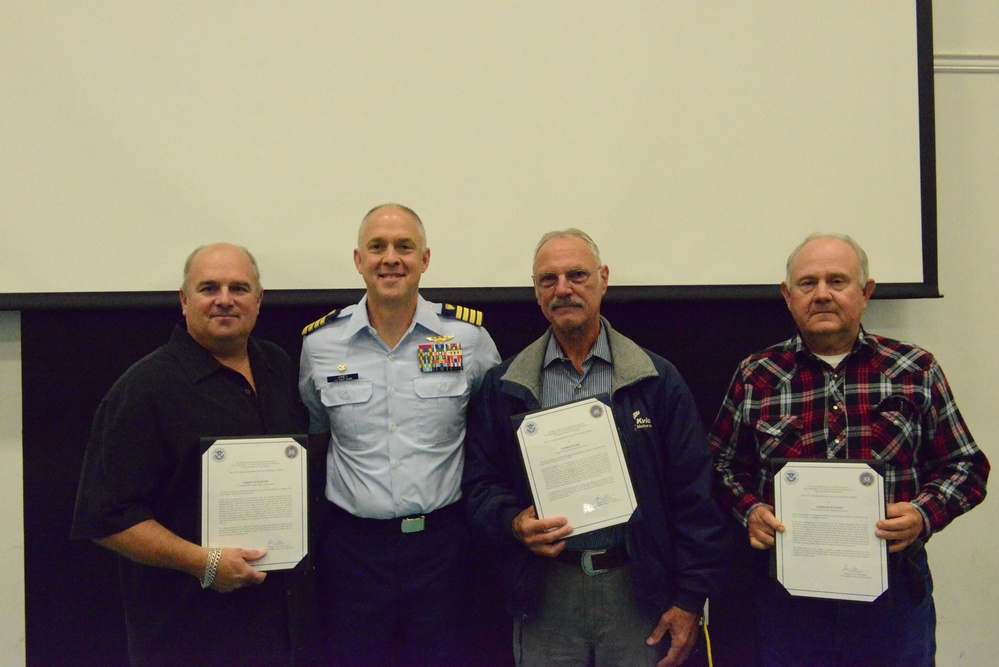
(320, 323)
(440, 358)
(464, 314)
(439, 339)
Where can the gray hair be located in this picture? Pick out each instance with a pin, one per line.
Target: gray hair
(249, 256)
(815, 236)
(571, 232)
(405, 209)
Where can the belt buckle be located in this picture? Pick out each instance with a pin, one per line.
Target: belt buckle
(587, 561)
(414, 525)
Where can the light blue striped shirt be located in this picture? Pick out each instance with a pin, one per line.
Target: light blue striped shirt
(562, 383)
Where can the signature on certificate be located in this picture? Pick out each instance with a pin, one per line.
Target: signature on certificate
(597, 503)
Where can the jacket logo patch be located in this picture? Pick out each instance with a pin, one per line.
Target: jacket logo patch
(640, 421)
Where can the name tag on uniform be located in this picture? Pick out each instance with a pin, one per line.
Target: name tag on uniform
(440, 358)
(342, 378)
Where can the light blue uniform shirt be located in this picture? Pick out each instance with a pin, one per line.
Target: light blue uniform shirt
(396, 430)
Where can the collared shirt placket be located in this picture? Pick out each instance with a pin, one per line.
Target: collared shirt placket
(836, 417)
(396, 420)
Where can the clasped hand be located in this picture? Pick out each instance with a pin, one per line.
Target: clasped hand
(234, 569)
(544, 537)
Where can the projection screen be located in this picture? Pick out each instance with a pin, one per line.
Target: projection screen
(696, 141)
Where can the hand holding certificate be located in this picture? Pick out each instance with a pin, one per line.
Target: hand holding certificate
(829, 510)
(576, 466)
(254, 497)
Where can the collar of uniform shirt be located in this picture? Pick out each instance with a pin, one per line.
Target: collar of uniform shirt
(425, 316)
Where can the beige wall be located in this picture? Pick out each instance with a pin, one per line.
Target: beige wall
(960, 328)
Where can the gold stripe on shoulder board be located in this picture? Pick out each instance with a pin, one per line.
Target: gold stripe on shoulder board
(464, 314)
(319, 323)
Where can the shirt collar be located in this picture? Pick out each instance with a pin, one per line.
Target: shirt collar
(198, 362)
(600, 349)
(358, 319)
(863, 343)
(425, 317)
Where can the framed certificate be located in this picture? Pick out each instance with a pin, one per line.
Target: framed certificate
(254, 496)
(829, 509)
(575, 464)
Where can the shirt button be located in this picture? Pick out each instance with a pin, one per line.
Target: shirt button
(443, 386)
(393, 428)
(247, 392)
(391, 357)
(396, 465)
(391, 391)
(344, 394)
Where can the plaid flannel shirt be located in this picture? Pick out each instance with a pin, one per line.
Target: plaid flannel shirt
(885, 401)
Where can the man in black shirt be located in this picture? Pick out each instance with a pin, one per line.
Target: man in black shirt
(139, 489)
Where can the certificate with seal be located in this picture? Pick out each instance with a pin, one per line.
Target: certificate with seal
(254, 496)
(576, 465)
(829, 509)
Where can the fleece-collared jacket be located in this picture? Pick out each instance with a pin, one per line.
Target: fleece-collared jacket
(677, 540)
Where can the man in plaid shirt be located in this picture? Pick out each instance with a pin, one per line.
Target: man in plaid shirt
(834, 391)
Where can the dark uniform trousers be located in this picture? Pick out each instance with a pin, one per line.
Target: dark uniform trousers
(395, 597)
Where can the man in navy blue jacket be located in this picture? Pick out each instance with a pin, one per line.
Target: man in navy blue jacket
(610, 596)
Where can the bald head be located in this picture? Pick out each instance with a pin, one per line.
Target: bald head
(398, 207)
(863, 265)
(218, 246)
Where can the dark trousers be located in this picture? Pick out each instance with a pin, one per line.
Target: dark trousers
(900, 630)
(395, 598)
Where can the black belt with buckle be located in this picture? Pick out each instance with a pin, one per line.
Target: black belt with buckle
(595, 561)
(408, 524)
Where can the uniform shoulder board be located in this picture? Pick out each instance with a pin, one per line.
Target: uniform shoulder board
(321, 322)
(464, 314)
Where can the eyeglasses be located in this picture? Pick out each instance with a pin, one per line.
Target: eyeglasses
(574, 276)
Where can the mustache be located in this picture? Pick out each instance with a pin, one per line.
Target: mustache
(567, 302)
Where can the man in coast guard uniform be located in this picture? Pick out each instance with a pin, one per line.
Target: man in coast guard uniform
(386, 382)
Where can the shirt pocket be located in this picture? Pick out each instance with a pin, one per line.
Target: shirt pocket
(893, 431)
(346, 402)
(779, 437)
(443, 397)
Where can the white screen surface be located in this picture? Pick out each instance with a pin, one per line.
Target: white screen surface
(697, 142)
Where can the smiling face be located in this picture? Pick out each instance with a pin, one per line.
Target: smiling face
(572, 302)
(391, 255)
(825, 295)
(221, 298)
